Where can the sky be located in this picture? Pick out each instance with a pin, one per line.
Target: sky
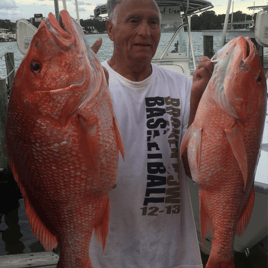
(18, 9)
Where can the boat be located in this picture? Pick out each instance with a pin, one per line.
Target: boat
(176, 57)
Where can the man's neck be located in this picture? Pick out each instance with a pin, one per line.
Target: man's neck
(135, 72)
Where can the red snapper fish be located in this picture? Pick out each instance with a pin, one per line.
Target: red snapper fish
(223, 145)
(63, 140)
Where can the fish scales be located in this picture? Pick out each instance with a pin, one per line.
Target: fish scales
(223, 145)
(63, 140)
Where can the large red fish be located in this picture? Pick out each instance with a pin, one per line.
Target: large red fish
(63, 140)
(223, 144)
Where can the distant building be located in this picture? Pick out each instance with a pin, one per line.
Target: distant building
(36, 20)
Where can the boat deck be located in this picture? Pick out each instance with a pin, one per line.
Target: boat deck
(42, 259)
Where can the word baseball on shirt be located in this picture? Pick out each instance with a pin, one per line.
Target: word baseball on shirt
(162, 187)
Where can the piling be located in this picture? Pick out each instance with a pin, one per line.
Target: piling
(4, 163)
(10, 66)
(208, 46)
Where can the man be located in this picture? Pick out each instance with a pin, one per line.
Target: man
(151, 220)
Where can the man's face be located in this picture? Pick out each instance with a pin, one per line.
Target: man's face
(136, 31)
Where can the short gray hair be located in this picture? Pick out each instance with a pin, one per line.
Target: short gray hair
(111, 7)
(111, 4)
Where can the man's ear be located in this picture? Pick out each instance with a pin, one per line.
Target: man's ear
(109, 28)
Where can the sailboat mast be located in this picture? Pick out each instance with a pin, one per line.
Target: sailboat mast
(56, 4)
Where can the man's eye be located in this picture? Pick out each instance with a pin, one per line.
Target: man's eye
(133, 21)
(154, 22)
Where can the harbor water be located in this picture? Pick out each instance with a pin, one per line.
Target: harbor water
(106, 50)
(15, 232)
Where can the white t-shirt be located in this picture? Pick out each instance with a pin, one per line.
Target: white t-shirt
(151, 219)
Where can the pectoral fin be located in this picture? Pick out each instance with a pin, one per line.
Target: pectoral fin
(89, 146)
(236, 141)
(193, 137)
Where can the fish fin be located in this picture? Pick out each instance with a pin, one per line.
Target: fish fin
(198, 147)
(40, 231)
(186, 138)
(102, 229)
(119, 139)
(236, 141)
(196, 136)
(89, 147)
(205, 221)
(245, 216)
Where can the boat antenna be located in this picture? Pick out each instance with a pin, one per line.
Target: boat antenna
(56, 4)
(77, 13)
(188, 22)
(64, 4)
(225, 23)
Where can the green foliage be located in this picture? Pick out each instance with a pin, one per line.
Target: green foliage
(7, 24)
(98, 25)
(208, 20)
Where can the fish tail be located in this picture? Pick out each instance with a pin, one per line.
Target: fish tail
(214, 262)
(71, 261)
(102, 228)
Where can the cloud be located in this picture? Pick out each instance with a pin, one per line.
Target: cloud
(83, 3)
(7, 4)
(81, 9)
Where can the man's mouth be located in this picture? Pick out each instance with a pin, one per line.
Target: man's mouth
(143, 45)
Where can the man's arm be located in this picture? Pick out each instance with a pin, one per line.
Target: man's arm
(201, 78)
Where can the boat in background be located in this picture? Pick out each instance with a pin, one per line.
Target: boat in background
(6, 36)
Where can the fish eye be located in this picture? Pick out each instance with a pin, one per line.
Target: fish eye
(35, 67)
(259, 79)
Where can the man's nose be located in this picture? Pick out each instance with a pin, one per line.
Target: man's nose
(144, 29)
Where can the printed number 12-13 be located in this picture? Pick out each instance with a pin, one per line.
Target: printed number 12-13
(154, 211)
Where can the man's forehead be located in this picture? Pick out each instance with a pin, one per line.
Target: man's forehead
(138, 3)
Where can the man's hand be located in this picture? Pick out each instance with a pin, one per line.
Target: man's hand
(96, 47)
(201, 77)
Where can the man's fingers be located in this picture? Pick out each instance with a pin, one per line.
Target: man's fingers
(202, 74)
(205, 62)
(96, 46)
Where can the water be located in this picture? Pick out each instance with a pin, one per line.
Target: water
(15, 232)
(107, 48)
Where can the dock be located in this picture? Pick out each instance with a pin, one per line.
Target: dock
(38, 260)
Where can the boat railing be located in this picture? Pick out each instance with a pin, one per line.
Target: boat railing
(9, 65)
(172, 39)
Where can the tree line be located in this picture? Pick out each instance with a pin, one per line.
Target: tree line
(98, 25)
(207, 20)
(7, 24)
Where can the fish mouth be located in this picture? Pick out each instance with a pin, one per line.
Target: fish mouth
(246, 43)
(61, 30)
